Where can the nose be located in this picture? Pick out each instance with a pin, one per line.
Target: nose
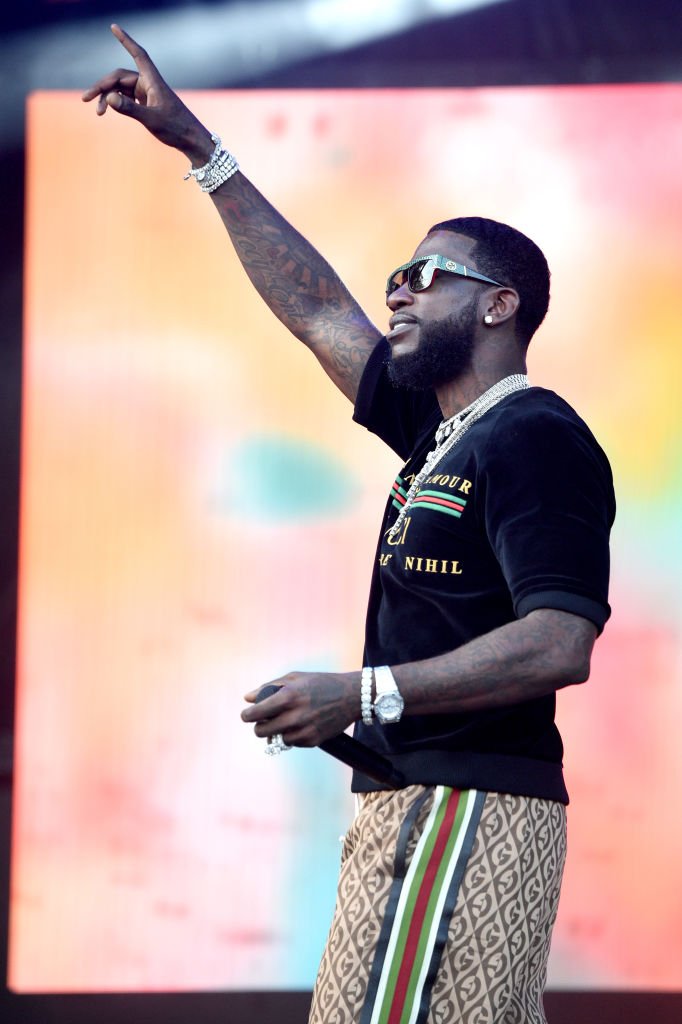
(400, 297)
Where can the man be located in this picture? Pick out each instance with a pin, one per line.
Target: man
(489, 589)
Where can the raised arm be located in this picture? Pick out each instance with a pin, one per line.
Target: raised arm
(298, 285)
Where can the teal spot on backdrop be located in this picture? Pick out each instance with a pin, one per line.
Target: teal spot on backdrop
(280, 479)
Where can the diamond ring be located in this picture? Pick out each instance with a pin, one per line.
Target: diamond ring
(276, 744)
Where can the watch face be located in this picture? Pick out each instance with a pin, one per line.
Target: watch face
(389, 707)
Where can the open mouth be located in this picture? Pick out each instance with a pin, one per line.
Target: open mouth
(399, 328)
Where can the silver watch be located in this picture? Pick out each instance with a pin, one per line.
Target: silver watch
(388, 704)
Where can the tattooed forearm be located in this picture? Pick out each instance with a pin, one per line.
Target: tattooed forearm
(298, 285)
(527, 658)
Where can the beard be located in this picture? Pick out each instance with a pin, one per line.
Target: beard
(445, 352)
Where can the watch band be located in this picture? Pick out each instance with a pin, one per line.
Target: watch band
(384, 681)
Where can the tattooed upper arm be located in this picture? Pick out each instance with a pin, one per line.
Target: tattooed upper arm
(343, 347)
(298, 284)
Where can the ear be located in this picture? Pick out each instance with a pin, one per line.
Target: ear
(499, 306)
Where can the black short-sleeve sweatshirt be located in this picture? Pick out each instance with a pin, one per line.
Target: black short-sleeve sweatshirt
(515, 517)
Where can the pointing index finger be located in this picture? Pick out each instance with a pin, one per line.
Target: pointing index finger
(139, 55)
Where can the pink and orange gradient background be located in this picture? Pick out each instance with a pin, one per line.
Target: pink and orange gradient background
(199, 515)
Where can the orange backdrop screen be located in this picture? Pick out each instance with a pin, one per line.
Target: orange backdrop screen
(168, 565)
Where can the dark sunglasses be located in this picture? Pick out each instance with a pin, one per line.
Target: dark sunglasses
(419, 273)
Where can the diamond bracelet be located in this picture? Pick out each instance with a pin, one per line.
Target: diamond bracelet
(216, 172)
(366, 695)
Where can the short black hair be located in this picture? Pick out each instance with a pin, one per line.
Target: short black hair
(513, 259)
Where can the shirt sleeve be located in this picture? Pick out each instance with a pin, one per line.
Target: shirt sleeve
(396, 415)
(549, 507)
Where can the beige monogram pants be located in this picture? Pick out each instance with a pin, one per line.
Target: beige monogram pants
(445, 908)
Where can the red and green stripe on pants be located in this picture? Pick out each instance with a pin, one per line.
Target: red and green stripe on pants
(420, 904)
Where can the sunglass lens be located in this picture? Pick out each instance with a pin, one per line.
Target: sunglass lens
(397, 281)
(420, 276)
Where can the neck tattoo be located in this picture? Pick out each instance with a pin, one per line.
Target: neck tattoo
(451, 430)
